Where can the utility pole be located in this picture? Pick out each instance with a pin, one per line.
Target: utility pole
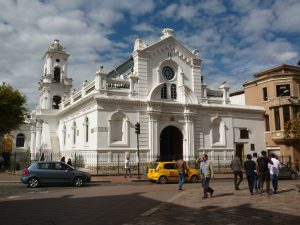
(138, 131)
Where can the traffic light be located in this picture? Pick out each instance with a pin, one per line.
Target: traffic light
(137, 128)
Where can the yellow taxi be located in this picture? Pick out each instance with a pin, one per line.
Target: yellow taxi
(163, 172)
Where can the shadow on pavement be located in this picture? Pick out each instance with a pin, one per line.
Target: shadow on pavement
(67, 210)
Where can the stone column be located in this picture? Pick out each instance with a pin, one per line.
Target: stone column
(32, 143)
(189, 150)
(38, 137)
(153, 138)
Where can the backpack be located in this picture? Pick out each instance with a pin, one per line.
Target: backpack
(262, 164)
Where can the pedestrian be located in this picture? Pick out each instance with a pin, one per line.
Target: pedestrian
(127, 167)
(274, 172)
(236, 166)
(207, 173)
(182, 169)
(250, 166)
(1, 161)
(63, 159)
(263, 172)
(69, 162)
(42, 158)
(256, 180)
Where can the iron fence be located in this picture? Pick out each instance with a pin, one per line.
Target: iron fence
(104, 163)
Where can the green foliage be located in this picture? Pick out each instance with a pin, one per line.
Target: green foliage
(12, 109)
(292, 128)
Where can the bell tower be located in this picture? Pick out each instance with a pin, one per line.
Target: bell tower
(54, 83)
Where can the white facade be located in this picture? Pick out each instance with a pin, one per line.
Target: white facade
(160, 87)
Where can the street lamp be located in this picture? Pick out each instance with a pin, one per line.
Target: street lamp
(284, 92)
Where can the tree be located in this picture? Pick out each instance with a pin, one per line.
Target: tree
(12, 109)
(292, 129)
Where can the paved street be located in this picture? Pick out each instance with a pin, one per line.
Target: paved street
(147, 203)
(228, 207)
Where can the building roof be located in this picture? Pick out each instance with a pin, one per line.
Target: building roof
(280, 68)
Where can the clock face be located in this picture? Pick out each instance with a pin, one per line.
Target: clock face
(168, 73)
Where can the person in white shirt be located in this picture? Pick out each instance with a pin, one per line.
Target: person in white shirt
(127, 167)
(274, 172)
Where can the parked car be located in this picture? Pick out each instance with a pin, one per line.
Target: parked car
(53, 173)
(163, 172)
(287, 172)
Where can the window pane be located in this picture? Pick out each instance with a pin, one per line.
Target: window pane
(265, 94)
(244, 134)
(283, 90)
(173, 91)
(267, 121)
(20, 140)
(277, 118)
(163, 92)
(286, 113)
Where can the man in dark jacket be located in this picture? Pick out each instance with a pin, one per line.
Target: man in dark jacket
(263, 171)
(250, 166)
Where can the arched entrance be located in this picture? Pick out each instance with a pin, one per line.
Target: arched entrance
(171, 142)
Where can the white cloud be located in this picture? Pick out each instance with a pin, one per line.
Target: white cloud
(288, 16)
(143, 27)
(257, 22)
(213, 7)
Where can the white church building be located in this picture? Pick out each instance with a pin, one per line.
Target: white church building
(160, 86)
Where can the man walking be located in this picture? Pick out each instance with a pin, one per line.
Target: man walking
(263, 172)
(256, 183)
(274, 172)
(127, 167)
(249, 167)
(207, 173)
(236, 166)
(182, 168)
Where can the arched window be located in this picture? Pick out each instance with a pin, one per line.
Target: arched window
(20, 140)
(173, 91)
(86, 129)
(218, 132)
(56, 78)
(74, 132)
(56, 101)
(163, 91)
(118, 129)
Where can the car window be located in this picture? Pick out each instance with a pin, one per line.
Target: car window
(42, 166)
(170, 166)
(153, 165)
(51, 166)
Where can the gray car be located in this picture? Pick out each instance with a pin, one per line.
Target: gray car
(53, 173)
(286, 172)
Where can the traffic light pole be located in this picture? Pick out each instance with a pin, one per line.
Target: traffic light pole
(138, 151)
(138, 131)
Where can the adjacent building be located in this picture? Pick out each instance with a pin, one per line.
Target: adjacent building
(277, 90)
(159, 86)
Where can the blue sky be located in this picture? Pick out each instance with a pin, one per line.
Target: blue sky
(236, 38)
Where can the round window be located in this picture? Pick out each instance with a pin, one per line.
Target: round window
(168, 73)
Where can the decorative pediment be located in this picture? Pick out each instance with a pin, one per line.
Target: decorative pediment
(173, 48)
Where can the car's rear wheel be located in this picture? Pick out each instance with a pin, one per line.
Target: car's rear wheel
(33, 182)
(78, 181)
(293, 176)
(194, 179)
(162, 180)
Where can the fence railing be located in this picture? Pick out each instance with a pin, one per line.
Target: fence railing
(103, 163)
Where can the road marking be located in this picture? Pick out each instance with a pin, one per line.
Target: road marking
(13, 196)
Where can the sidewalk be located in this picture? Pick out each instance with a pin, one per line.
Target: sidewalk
(9, 177)
(226, 207)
